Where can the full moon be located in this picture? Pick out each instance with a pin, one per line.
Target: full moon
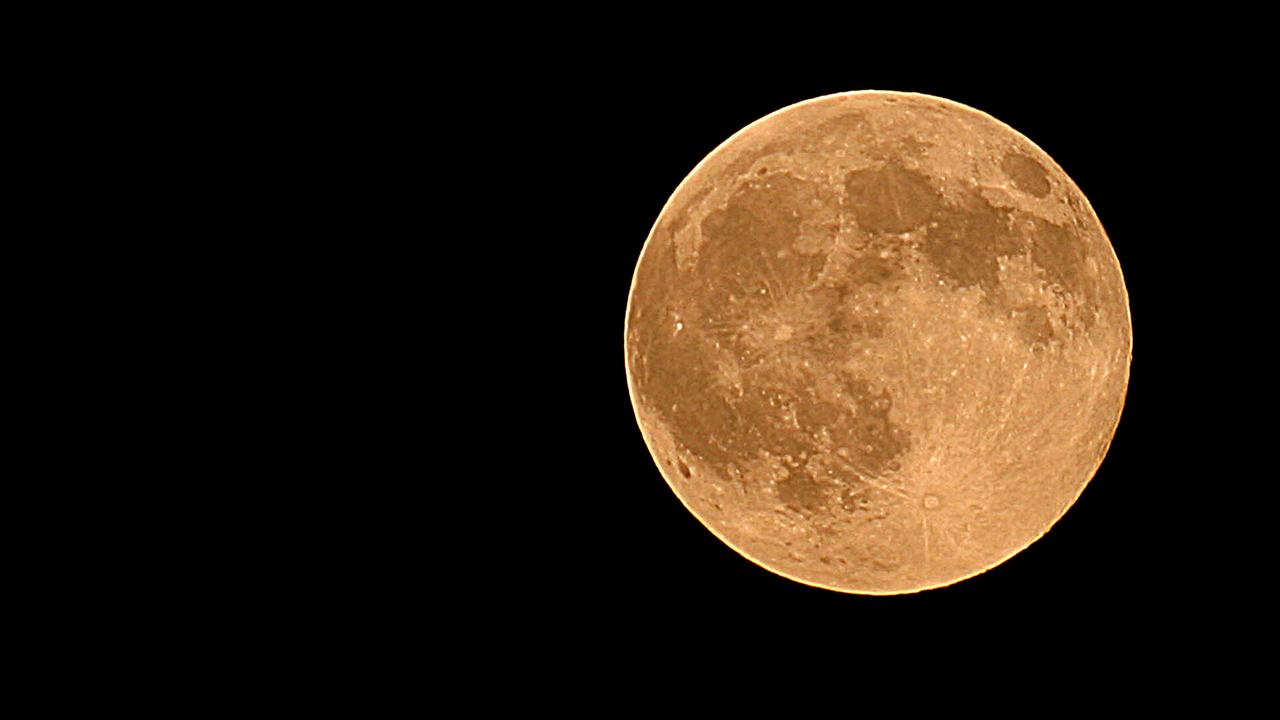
(877, 342)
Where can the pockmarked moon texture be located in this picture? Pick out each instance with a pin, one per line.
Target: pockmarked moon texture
(878, 342)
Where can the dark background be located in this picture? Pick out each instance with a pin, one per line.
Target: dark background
(1148, 553)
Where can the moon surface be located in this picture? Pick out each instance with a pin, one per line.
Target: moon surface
(878, 342)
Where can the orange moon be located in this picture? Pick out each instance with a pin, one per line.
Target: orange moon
(877, 342)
